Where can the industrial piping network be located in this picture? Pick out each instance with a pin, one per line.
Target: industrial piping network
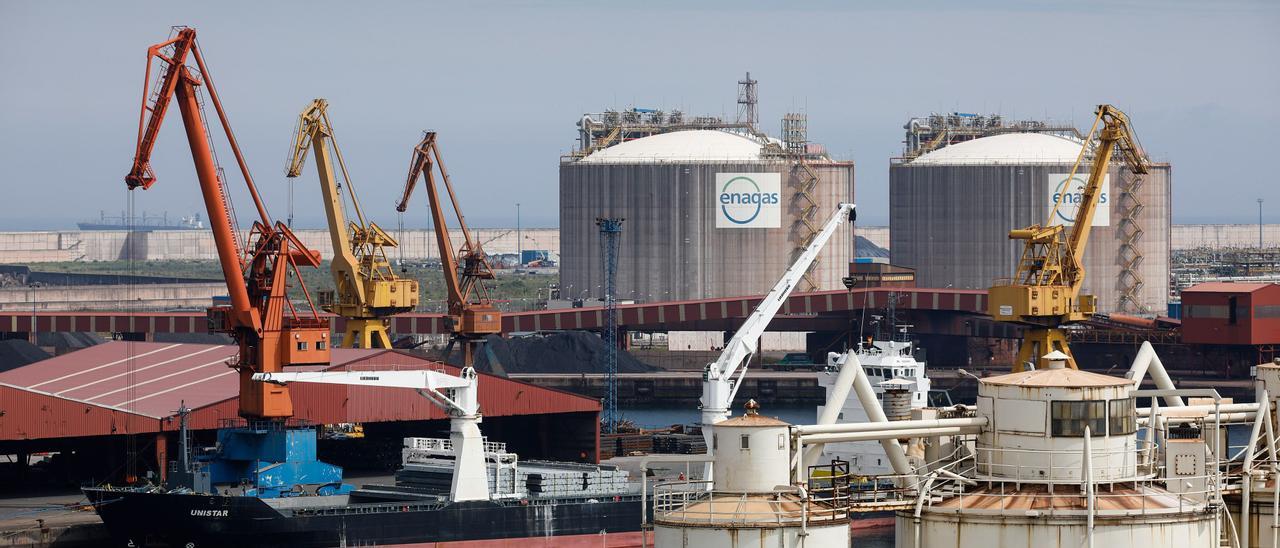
(811, 438)
(456, 395)
(722, 378)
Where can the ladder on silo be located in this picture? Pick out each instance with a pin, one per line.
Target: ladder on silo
(795, 135)
(1131, 232)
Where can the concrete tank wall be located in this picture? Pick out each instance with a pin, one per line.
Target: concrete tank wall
(111, 297)
(751, 537)
(951, 223)
(950, 529)
(1217, 236)
(670, 248)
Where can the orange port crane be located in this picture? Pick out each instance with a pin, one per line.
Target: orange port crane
(1045, 291)
(471, 315)
(269, 330)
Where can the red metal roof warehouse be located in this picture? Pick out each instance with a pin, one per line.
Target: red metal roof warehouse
(136, 387)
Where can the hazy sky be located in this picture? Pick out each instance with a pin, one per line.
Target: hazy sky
(505, 83)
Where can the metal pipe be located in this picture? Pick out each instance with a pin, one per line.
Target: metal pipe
(1088, 481)
(867, 396)
(1271, 434)
(1275, 477)
(835, 402)
(1225, 408)
(889, 435)
(1246, 486)
(849, 428)
(1145, 361)
(1224, 417)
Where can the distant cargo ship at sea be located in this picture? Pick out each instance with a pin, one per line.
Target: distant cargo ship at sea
(144, 223)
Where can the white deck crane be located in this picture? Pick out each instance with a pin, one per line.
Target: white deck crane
(456, 395)
(723, 377)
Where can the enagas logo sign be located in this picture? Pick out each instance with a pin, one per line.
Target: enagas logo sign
(1068, 194)
(748, 200)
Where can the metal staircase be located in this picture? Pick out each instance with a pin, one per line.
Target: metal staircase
(1130, 254)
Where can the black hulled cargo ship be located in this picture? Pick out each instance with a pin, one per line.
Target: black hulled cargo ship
(527, 500)
(151, 518)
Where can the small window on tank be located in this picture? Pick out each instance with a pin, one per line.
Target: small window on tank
(746, 441)
(1069, 418)
(1122, 417)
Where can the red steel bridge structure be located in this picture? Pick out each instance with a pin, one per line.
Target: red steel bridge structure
(931, 311)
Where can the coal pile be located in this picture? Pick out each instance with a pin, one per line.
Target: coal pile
(15, 353)
(865, 248)
(68, 341)
(564, 352)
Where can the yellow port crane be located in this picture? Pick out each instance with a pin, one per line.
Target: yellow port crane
(1045, 291)
(366, 288)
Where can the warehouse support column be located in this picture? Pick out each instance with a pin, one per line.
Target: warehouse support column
(162, 455)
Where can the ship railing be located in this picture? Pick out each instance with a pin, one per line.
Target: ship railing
(446, 445)
(1134, 461)
(1140, 498)
(695, 502)
(264, 425)
(940, 492)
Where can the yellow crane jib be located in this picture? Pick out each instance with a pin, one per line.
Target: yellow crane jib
(366, 288)
(1044, 293)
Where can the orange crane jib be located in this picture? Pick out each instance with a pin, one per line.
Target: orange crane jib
(263, 321)
(471, 315)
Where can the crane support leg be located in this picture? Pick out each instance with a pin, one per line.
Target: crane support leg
(1038, 341)
(365, 333)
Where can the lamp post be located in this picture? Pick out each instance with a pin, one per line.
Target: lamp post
(519, 242)
(1259, 224)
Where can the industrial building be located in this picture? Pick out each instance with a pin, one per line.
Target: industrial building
(710, 209)
(951, 210)
(89, 406)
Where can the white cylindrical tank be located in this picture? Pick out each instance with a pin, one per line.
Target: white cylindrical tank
(753, 453)
(1059, 465)
(1037, 421)
(751, 502)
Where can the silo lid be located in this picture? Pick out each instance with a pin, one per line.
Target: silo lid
(694, 145)
(752, 420)
(1069, 378)
(1006, 148)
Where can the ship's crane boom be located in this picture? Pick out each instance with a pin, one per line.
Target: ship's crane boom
(366, 288)
(456, 395)
(263, 321)
(722, 378)
(1045, 291)
(471, 315)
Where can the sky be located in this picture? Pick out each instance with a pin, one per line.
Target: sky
(504, 84)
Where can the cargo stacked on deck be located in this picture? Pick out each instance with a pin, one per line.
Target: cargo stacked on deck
(683, 444)
(429, 472)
